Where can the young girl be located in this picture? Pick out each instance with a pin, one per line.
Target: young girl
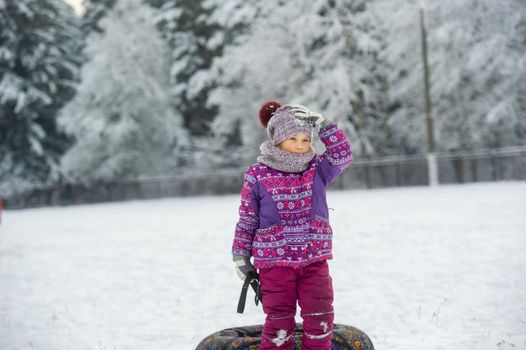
(284, 224)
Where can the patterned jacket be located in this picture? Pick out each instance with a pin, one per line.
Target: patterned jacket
(283, 217)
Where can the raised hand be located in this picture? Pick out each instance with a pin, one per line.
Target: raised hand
(304, 114)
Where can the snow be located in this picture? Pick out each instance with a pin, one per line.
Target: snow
(281, 338)
(415, 268)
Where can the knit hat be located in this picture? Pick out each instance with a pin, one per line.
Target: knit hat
(280, 122)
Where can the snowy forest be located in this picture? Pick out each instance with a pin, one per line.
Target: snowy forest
(142, 88)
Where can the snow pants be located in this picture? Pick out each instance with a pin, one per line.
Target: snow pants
(311, 287)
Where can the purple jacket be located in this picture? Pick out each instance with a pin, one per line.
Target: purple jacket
(283, 217)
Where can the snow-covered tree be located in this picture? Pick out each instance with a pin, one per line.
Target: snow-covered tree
(365, 40)
(197, 32)
(95, 10)
(476, 88)
(184, 27)
(122, 117)
(477, 63)
(39, 49)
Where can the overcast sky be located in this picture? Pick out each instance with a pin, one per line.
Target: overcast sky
(76, 4)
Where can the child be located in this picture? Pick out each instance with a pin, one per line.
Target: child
(284, 224)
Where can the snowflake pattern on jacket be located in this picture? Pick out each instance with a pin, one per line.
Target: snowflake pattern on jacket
(283, 217)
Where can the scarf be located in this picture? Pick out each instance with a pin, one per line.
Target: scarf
(278, 159)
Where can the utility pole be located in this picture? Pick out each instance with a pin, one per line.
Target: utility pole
(432, 166)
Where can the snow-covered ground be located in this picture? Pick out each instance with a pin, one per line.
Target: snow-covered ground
(415, 268)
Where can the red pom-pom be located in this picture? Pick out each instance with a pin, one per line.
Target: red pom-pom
(265, 112)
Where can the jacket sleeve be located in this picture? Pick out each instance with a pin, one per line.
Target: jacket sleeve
(338, 154)
(248, 216)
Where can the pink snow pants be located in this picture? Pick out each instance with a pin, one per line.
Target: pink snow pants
(311, 286)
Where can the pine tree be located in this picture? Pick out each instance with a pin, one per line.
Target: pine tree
(122, 117)
(95, 11)
(198, 32)
(39, 50)
(184, 27)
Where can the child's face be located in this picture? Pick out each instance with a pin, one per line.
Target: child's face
(299, 143)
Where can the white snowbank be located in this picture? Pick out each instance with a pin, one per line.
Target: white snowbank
(415, 268)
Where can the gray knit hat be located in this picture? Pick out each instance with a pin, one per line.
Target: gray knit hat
(281, 122)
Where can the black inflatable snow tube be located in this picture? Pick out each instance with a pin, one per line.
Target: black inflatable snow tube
(248, 338)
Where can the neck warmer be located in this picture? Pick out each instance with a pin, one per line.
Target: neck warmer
(278, 159)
